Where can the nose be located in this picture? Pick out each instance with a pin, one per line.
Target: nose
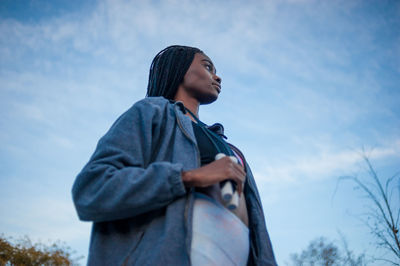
(217, 78)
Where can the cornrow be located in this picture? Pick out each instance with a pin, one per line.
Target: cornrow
(167, 70)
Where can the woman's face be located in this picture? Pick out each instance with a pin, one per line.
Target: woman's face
(201, 80)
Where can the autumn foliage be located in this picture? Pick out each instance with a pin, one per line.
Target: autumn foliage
(23, 252)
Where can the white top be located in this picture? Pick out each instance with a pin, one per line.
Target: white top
(219, 236)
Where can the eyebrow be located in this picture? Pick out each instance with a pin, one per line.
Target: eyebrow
(211, 63)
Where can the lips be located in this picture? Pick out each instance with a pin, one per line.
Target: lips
(217, 87)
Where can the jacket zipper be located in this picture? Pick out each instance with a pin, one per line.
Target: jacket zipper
(187, 136)
(189, 199)
(133, 248)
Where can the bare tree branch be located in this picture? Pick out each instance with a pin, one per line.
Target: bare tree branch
(382, 217)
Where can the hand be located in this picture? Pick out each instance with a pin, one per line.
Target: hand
(215, 172)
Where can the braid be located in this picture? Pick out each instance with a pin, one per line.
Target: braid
(168, 69)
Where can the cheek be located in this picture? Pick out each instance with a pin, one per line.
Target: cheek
(197, 79)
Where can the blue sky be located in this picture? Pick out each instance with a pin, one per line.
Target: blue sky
(306, 85)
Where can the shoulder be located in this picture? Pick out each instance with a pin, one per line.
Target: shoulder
(141, 117)
(148, 108)
(152, 103)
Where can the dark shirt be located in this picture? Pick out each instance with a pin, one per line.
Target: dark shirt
(207, 148)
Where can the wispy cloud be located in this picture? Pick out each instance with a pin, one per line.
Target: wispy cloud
(321, 165)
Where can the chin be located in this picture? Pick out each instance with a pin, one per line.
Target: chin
(207, 99)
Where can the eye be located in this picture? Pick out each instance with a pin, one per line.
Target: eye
(208, 67)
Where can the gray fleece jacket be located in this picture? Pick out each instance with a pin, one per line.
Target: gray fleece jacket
(132, 191)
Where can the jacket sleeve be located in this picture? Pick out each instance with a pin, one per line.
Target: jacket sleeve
(120, 181)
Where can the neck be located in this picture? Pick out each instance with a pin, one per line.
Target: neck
(190, 103)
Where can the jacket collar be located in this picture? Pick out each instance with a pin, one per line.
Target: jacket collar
(217, 128)
(179, 104)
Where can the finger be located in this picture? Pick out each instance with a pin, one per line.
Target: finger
(240, 174)
(239, 182)
(235, 174)
(236, 166)
(240, 170)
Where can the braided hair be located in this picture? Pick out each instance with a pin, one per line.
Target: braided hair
(168, 69)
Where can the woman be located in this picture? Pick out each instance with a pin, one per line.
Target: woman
(152, 186)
